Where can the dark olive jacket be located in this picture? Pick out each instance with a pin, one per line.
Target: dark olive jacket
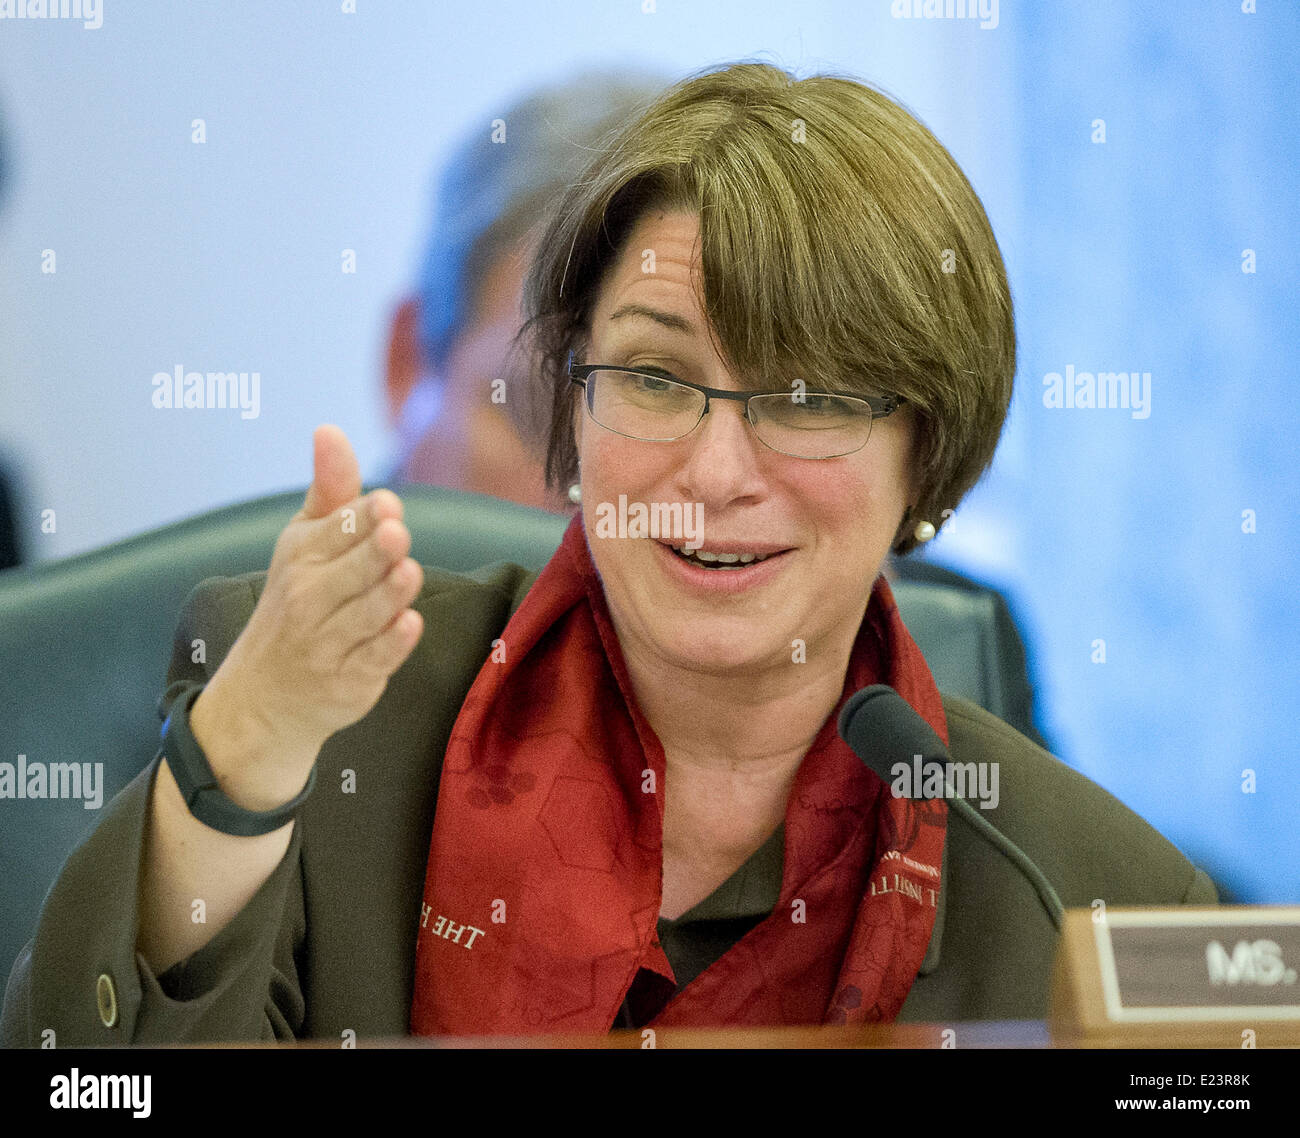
(327, 944)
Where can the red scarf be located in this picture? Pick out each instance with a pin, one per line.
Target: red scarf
(544, 878)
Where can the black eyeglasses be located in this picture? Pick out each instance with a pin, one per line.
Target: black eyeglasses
(653, 405)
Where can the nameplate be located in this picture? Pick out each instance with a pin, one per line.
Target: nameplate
(1222, 976)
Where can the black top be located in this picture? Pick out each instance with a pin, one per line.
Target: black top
(704, 933)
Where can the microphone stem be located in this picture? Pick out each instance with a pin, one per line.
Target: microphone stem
(995, 837)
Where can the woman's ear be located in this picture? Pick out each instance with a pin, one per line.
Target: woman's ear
(578, 393)
(900, 534)
(578, 417)
(914, 474)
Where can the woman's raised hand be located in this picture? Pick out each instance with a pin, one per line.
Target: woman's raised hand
(329, 629)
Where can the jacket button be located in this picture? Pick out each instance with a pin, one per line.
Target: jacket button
(106, 997)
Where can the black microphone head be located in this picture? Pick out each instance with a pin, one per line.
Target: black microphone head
(883, 730)
(887, 734)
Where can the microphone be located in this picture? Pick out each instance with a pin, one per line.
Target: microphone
(886, 733)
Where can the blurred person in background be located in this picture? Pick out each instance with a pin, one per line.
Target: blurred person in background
(452, 338)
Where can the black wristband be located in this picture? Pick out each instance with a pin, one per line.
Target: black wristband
(199, 787)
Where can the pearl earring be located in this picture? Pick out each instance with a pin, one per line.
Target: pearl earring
(924, 531)
(575, 493)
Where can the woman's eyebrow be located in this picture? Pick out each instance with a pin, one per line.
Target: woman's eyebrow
(667, 319)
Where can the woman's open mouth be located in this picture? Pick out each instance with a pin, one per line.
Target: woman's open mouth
(708, 560)
(731, 568)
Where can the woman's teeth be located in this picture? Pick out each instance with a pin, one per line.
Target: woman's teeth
(720, 560)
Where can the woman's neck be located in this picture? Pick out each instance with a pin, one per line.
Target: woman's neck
(733, 742)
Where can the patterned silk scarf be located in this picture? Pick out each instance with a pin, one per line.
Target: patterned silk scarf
(544, 878)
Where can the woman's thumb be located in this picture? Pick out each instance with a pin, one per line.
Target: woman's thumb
(336, 479)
